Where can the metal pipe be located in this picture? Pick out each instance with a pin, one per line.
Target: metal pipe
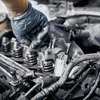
(11, 64)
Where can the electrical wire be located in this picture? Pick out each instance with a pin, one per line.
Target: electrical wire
(93, 88)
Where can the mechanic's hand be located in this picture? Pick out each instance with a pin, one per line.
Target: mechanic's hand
(35, 45)
(37, 42)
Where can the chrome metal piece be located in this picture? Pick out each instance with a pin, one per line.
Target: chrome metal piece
(5, 45)
(17, 50)
(32, 58)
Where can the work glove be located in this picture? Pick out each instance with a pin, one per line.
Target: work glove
(39, 39)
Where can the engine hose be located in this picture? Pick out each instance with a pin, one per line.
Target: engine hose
(81, 19)
(87, 16)
(93, 88)
(11, 64)
(41, 95)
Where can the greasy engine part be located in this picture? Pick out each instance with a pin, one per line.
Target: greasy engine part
(86, 82)
(26, 84)
(47, 65)
(17, 49)
(32, 58)
(48, 61)
(5, 44)
(84, 28)
(62, 71)
(41, 95)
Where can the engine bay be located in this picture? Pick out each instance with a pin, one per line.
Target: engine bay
(66, 68)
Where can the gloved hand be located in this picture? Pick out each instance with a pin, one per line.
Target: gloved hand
(35, 45)
(37, 42)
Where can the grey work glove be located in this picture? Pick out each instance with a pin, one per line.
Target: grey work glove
(39, 39)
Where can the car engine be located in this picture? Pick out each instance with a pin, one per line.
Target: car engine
(66, 68)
